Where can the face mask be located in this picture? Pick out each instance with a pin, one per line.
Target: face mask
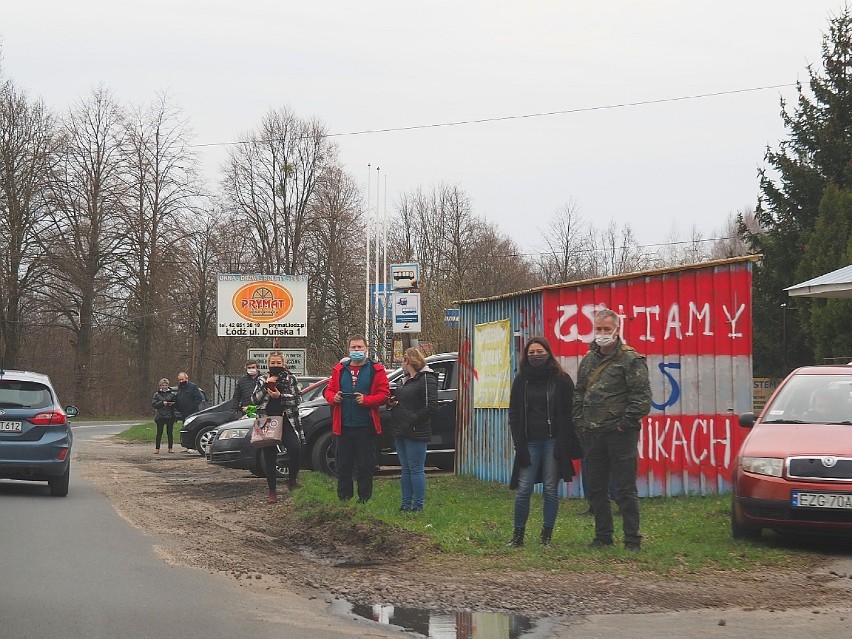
(537, 361)
(601, 339)
(183, 383)
(164, 389)
(357, 356)
(276, 370)
(251, 371)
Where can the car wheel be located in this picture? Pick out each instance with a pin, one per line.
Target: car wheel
(59, 485)
(322, 455)
(281, 470)
(741, 531)
(203, 439)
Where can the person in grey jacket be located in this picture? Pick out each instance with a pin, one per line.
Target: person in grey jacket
(413, 406)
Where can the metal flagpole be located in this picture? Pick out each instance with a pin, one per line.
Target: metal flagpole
(375, 338)
(367, 270)
(385, 274)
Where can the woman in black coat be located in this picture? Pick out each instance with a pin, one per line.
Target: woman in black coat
(413, 406)
(164, 402)
(540, 417)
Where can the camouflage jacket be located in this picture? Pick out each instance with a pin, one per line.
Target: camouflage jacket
(617, 396)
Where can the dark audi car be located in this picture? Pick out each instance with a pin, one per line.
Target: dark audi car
(316, 422)
(35, 436)
(231, 444)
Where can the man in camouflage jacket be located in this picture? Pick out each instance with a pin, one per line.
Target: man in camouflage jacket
(611, 397)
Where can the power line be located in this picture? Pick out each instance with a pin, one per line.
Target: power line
(525, 116)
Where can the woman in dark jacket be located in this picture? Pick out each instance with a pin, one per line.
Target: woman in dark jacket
(413, 405)
(164, 402)
(540, 408)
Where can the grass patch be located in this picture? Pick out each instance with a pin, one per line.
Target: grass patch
(146, 433)
(469, 518)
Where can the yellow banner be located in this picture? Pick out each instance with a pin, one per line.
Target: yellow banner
(492, 361)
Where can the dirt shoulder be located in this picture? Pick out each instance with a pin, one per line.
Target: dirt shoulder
(217, 519)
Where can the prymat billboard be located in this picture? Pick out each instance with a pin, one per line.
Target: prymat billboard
(262, 305)
(694, 328)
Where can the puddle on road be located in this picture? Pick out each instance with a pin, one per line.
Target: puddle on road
(441, 625)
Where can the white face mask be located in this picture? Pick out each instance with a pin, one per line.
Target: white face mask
(251, 371)
(604, 340)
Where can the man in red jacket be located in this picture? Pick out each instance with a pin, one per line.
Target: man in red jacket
(357, 388)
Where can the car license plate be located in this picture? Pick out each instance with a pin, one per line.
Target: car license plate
(10, 427)
(841, 501)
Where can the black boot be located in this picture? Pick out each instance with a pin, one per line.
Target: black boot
(517, 538)
(546, 534)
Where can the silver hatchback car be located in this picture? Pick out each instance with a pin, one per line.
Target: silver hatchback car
(35, 436)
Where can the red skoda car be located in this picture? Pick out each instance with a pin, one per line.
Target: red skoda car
(794, 470)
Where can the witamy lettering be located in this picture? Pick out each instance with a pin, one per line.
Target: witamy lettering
(676, 322)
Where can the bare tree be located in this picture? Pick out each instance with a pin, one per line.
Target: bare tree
(161, 197)
(270, 183)
(86, 230)
(27, 148)
(731, 242)
(564, 255)
(614, 251)
(335, 267)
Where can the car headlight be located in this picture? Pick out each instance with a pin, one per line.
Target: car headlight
(189, 420)
(233, 433)
(763, 465)
(306, 410)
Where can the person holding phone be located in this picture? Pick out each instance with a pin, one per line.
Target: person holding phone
(277, 394)
(357, 388)
(164, 402)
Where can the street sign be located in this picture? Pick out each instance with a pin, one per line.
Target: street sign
(294, 358)
(452, 317)
(404, 276)
(406, 312)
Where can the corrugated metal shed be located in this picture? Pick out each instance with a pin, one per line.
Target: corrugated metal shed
(692, 323)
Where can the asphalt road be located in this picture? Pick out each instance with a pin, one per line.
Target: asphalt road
(71, 567)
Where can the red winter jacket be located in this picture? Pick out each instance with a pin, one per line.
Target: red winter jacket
(379, 393)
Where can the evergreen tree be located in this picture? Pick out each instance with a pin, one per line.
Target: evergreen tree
(830, 247)
(817, 151)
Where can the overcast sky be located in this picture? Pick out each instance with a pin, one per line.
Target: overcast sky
(394, 63)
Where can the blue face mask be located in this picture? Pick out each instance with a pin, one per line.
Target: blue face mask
(357, 356)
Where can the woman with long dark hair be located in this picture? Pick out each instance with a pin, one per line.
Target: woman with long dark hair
(542, 427)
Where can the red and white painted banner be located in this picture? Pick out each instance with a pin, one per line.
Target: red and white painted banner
(694, 327)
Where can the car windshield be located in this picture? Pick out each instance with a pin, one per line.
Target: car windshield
(17, 394)
(812, 399)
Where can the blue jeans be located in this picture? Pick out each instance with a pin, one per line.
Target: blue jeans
(541, 456)
(412, 458)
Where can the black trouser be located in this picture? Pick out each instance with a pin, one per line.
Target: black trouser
(613, 456)
(355, 447)
(170, 437)
(270, 456)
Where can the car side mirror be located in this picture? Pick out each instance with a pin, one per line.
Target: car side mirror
(71, 411)
(746, 420)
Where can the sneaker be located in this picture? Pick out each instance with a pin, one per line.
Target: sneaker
(599, 543)
(271, 497)
(404, 509)
(632, 546)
